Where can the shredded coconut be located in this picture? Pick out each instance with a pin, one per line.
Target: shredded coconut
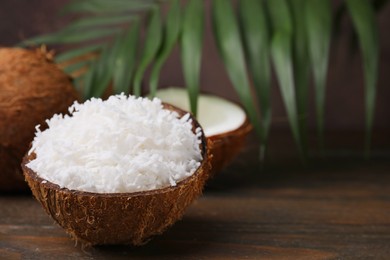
(123, 144)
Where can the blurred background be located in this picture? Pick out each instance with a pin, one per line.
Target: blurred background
(21, 19)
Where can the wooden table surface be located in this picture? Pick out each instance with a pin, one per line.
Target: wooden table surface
(338, 210)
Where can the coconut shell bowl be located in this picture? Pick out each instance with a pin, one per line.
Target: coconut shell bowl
(119, 218)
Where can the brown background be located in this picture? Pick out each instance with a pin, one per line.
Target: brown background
(21, 19)
(337, 211)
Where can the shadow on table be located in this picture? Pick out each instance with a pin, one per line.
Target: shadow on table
(189, 236)
(246, 174)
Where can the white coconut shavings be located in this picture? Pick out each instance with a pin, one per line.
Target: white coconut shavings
(123, 144)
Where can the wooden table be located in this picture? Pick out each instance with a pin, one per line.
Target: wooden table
(338, 210)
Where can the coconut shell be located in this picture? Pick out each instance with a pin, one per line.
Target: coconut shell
(117, 218)
(226, 146)
(32, 88)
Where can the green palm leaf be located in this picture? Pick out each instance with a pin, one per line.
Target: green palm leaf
(282, 57)
(124, 62)
(301, 67)
(256, 36)
(102, 32)
(191, 42)
(101, 71)
(74, 53)
(363, 17)
(318, 16)
(294, 34)
(71, 36)
(227, 36)
(153, 40)
(171, 35)
(104, 6)
(89, 22)
(76, 66)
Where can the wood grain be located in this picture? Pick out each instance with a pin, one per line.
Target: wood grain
(338, 210)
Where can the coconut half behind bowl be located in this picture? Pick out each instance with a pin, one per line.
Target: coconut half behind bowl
(119, 218)
(225, 124)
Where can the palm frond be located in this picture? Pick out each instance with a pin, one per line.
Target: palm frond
(191, 43)
(67, 37)
(170, 38)
(109, 28)
(292, 37)
(152, 44)
(125, 60)
(318, 17)
(256, 38)
(104, 7)
(76, 53)
(282, 57)
(227, 36)
(301, 67)
(362, 14)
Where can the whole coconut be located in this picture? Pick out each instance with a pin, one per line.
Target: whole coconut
(32, 88)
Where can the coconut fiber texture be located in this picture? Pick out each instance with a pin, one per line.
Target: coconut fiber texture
(118, 218)
(225, 147)
(32, 88)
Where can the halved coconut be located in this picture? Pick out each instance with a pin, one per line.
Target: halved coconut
(32, 88)
(225, 123)
(119, 218)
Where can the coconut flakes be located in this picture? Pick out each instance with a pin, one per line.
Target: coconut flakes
(123, 144)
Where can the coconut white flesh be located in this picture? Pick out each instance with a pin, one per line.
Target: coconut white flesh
(216, 115)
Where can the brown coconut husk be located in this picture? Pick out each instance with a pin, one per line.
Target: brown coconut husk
(118, 218)
(226, 146)
(32, 89)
